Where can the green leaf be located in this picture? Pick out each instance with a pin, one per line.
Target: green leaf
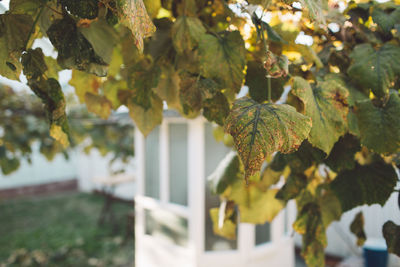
(98, 104)
(133, 14)
(327, 106)
(25, 6)
(365, 184)
(10, 67)
(391, 233)
(357, 228)
(342, 155)
(375, 70)
(74, 50)
(223, 59)
(386, 19)
(15, 29)
(193, 89)
(97, 32)
(143, 77)
(34, 64)
(226, 173)
(216, 108)
(9, 165)
(380, 126)
(88, 9)
(293, 187)
(257, 82)
(146, 119)
(168, 86)
(331, 209)
(186, 33)
(261, 129)
(309, 223)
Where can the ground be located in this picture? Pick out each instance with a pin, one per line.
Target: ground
(62, 230)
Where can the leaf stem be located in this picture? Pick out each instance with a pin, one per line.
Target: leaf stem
(33, 27)
(266, 51)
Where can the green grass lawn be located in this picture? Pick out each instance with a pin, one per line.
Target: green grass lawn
(62, 230)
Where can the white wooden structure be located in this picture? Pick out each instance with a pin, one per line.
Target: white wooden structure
(172, 226)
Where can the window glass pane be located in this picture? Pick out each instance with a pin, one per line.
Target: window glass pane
(152, 164)
(214, 153)
(178, 163)
(166, 225)
(263, 233)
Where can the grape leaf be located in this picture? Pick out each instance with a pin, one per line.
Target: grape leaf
(15, 29)
(133, 14)
(309, 223)
(10, 67)
(327, 106)
(98, 104)
(331, 209)
(74, 50)
(96, 33)
(257, 82)
(84, 83)
(223, 59)
(386, 19)
(34, 64)
(380, 126)
(293, 187)
(255, 205)
(227, 172)
(25, 6)
(168, 86)
(261, 129)
(216, 108)
(391, 233)
(342, 155)
(375, 70)
(365, 184)
(186, 33)
(111, 87)
(8, 165)
(147, 119)
(357, 228)
(228, 227)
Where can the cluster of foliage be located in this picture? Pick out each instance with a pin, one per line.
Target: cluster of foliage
(334, 139)
(23, 122)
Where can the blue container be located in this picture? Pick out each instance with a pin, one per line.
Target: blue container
(375, 253)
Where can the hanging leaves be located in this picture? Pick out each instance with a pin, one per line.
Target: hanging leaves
(74, 50)
(380, 126)
(186, 33)
(309, 224)
(133, 14)
(365, 184)
(223, 59)
(327, 106)
(357, 228)
(391, 233)
(261, 129)
(375, 70)
(88, 9)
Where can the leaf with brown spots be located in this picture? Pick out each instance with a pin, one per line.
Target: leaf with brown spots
(327, 106)
(261, 129)
(133, 14)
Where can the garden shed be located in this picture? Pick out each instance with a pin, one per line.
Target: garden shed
(173, 226)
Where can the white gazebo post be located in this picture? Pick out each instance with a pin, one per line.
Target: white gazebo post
(172, 226)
